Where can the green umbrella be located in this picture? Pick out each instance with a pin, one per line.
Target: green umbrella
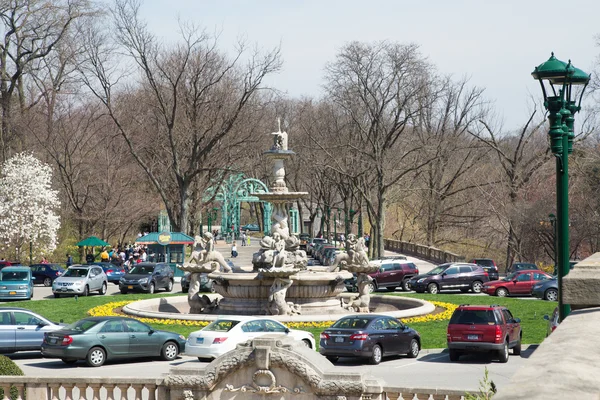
(92, 241)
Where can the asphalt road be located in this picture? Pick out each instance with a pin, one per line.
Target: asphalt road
(431, 369)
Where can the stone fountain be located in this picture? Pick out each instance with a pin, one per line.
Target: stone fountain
(280, 283)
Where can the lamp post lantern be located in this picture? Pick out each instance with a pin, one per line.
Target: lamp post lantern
(557, 80)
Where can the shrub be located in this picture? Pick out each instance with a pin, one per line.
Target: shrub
(9, 368)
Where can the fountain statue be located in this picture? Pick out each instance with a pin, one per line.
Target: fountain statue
(204, 259)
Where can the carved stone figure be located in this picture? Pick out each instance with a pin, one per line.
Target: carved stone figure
(277, 304)
(280, 140)
(199, 251)
(361, 303)
(356, 256)
(281, 221)
(205, 256)
(199, 304)
(279, 253)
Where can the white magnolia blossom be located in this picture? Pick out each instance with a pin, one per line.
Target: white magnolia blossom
(28, 204)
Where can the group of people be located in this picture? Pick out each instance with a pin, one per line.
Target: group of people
(124, 256)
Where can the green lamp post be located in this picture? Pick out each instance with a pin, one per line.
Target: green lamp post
(557, 79)
(328, 222)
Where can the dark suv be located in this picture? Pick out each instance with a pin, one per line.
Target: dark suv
(488, 266)
(520, 266)
(147, 277)
(451, 276)
(393, 273)
(483, 329)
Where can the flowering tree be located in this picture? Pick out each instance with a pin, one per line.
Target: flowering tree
(28, 204)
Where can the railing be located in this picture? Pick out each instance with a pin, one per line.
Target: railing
(40, 388)
(421, 251)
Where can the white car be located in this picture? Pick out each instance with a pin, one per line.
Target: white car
(223, 334)
(80, 280)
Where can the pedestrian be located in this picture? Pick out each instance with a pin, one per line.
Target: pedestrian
(128, 264)
(243, 239)
(143, 255)
(69, 260)
(247, 239)
(104, 255)
(234, 252)
(89, 258)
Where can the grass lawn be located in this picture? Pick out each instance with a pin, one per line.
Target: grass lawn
(433, 334)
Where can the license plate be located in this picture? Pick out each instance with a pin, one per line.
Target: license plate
(64, 289)
(339, 339)
(12, 292)
(472, 337)
(199, 340)
(129, 287)
(52, 341)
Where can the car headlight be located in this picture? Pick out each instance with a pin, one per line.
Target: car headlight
(143, 280)
(77, 283)
(421, 280)
(181, 337)
(23, 287)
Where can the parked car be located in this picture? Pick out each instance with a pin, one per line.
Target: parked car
(304, 239)
(488, 266)
(223, 334)
(451, 276)
(387, 258)
(23, 330)
(520, 266)
(317, 249)
(547, 290)
(80, 280)
(518, 283)
(147, 277)
(313, 242)
(553, 321)
(392, 273)
(369, 335)
(16, 282)
(46, 273)
(98, 339)
(206, 284)
(113, 272)
(483, 329)
(329, 255)
(321, 252)
(251, 228)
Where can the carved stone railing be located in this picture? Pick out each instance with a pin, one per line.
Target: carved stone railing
(68, 388)
(40, 388)
(421, 251)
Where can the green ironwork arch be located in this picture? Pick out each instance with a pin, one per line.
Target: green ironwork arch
(236, 190)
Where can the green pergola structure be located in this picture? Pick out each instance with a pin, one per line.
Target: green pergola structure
(235, 190)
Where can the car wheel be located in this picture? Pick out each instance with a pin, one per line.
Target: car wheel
(503, 353)
(306, 342)
(95, 357)
(551, 294)
(103, 289)
(86, 290)
(212, 287)
(169, 286)
(406, 285)
(391, 288)
(185, 290)
(414, 349)
(123, 291)
(47, 282)
(151, 288)
(57, 295)
(169, 351)
(332, 358)
(477, 286)
(433, 288)
(372, 287)
(69, 360)
(376, 356)
(517, 348)
(454, 355)
(501, 292)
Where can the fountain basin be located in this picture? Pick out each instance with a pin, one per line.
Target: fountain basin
(177, 308)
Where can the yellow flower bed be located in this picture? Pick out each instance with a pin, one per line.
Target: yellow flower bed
(108, 309)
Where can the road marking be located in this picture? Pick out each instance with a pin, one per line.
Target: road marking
(415, 362)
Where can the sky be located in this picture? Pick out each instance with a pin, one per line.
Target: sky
(496, 43)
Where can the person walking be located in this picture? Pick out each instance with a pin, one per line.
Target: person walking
(247, 239)
(69, 260)
(243, 239)
(234, 252)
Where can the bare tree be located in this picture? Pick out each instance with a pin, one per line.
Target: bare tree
(180, 121)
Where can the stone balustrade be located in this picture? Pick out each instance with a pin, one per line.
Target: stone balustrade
(40, 388)
(421, 251)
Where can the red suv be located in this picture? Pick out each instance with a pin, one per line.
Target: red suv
(483, 328)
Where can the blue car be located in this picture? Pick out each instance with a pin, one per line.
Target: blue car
(251, 228)
(112, 271)
(46, 273)
(16, 283)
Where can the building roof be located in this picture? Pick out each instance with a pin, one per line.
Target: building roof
(176, 238)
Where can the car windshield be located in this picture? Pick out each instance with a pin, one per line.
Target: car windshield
(438, 270)
(76, 272)
(221, 325)
(82, 325)
(473, 317)
(485, 263)
(511, 276)
(14, 275)
(142, 269)
(352, 322)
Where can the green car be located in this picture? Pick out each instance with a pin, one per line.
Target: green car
(98, 339)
